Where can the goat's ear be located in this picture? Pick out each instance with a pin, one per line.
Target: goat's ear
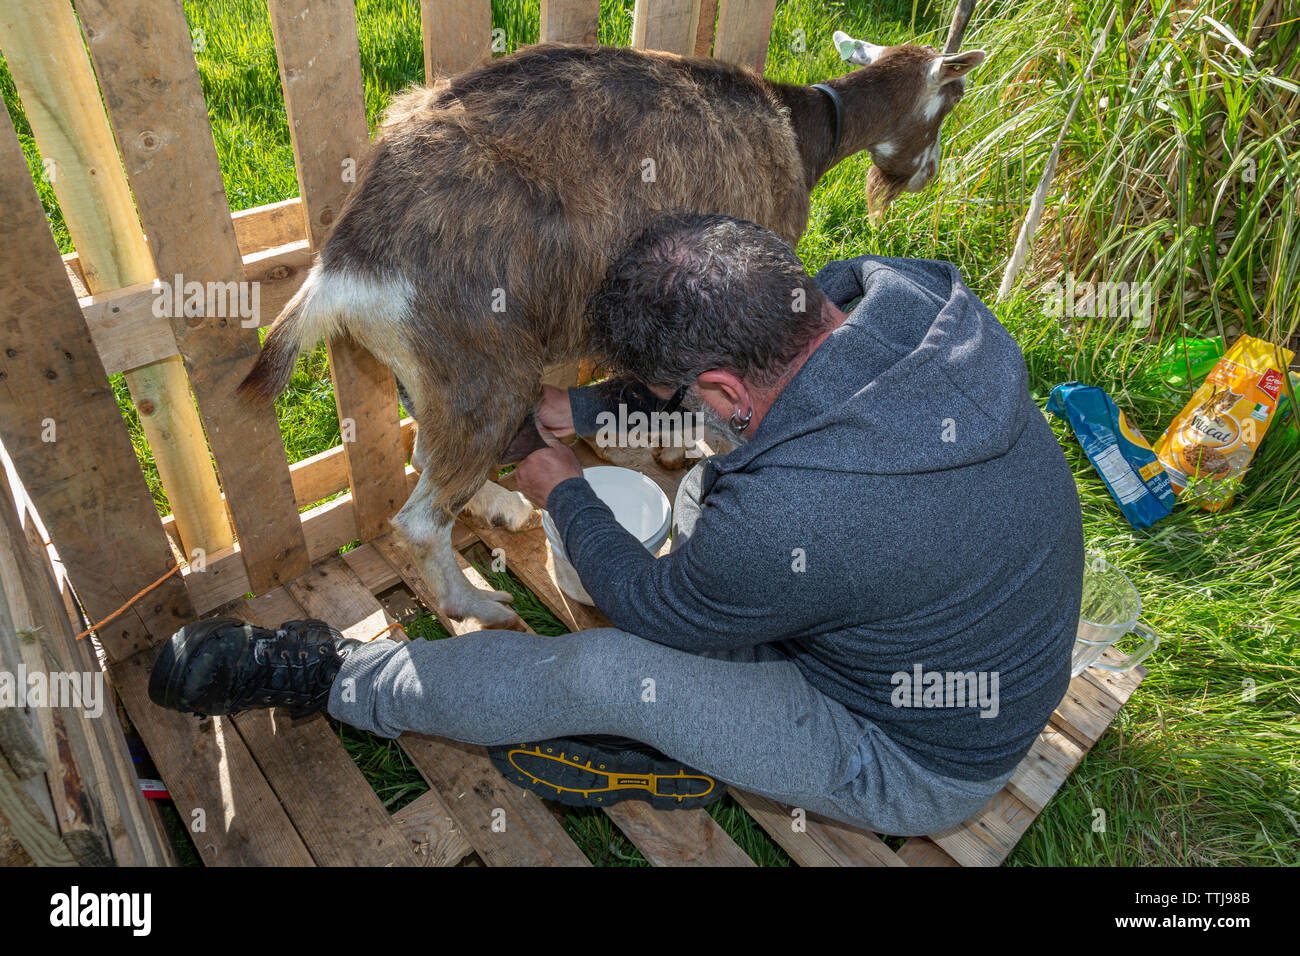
(949, 69)
(859, 52)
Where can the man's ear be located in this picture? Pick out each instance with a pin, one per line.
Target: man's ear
(858, 52)
(949, 69)
(732, 389)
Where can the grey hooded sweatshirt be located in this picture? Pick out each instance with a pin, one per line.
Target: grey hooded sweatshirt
(903, 525)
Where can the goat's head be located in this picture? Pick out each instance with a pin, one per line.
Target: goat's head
(921, 87)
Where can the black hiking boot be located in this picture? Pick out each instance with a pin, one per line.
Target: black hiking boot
(595, 771)
(223, 666)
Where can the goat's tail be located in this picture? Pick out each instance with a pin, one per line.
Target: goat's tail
(293, 328)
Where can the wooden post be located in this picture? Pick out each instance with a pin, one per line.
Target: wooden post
(744, 29)
(320, 70)
(40, 37)
(669, 25)
(457, 35)
(569, 21)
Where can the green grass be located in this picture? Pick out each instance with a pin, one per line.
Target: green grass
(1201, 766)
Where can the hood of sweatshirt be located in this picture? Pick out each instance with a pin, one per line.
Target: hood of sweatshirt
(920, 377)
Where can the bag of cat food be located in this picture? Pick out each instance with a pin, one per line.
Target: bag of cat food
(1210, 443)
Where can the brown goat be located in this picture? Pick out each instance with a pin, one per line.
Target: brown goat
(492, 203)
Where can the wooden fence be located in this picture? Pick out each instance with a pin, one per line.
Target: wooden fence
(137, 178)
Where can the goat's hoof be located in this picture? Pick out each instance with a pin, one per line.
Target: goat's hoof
(672, 458)
(504, 509)
(518, 515)
(492, 611)
(534, 520)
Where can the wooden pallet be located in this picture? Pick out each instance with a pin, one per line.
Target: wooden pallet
(285, 798)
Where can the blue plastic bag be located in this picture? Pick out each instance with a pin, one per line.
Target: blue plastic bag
(1124, 459)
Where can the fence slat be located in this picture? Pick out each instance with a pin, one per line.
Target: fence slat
(320, 70)
(569, 21)
(83, 803)
(457, 34)
(142, 53)
(141, 839)
(85, 482)
(743, 30)
(666, 25)
(704, 33)
(48, 62)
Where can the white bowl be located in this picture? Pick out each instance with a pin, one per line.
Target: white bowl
(639, 505)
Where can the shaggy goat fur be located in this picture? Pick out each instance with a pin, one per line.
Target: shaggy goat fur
(492, 203)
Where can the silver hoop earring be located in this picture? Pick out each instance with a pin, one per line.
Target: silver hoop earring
(738, 423)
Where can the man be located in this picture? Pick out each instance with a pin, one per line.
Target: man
(869, 605)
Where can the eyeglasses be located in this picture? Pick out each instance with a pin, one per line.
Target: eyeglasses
(670, 405)
(675, 402)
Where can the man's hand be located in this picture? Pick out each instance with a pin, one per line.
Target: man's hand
(555, 414)
(545, 468)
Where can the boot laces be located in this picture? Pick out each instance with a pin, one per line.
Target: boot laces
(289, 671)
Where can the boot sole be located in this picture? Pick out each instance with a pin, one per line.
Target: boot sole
(579, 776)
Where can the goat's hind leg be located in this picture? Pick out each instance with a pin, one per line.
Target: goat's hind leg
(425, 532)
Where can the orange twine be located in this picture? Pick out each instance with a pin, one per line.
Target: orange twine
(397, 624)
(127, 606)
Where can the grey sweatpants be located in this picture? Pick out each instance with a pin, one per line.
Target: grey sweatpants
(747, 717)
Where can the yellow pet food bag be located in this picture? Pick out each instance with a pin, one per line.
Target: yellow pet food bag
(1210, 443)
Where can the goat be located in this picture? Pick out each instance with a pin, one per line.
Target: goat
(490, 207)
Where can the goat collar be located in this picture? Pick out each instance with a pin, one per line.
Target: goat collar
(838, 103)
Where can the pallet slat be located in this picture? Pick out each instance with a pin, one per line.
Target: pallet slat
(1090, 704)
(320, 71)
(142, 54)
(327, 528)
(73, 784)
(127, 334)
(669, 25)
(823, 842)
(457, 35)
(48, 62)
(21, 816)
(569, 21)
(676, 837)
(704, 34)
(986, 838)
(471, 787)
(269, 225)
(207, 767)
(743, 31)
(52, 386)
(1040, 774)
(137, 838)
(333, 808)
(428, 824)
(922, 851)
